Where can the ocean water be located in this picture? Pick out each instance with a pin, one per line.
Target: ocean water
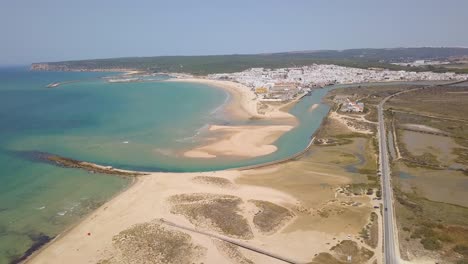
(89, 120)
(144, 126)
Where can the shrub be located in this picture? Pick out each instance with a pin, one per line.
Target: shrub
(379, 193)
(444, 237)
(461, 249)
(431, 243)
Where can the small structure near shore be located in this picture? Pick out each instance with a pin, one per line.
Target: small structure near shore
(350, 106)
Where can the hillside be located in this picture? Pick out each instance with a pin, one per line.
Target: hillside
(360, 58)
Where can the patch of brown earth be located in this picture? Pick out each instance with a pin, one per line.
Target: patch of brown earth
(346, 251)
(211, 180)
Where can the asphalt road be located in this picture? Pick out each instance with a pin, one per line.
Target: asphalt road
(390, 232)
(391, 251)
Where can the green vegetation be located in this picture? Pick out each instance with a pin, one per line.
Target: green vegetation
(359, 58)
(271, 216)
(153, 243)
(462, 155)
(461, 249)
(364, 233)
(435, 225)
(370, 233)
(221, 212)
(431, 243)
(341, 251)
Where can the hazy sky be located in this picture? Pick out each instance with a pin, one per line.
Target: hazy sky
(52, 30)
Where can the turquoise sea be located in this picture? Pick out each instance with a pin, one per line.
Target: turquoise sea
(141, 126)
(144, 126)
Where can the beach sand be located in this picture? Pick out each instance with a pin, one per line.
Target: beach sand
(241, 141)
(145, 201)
(223, 203)
(244, 103)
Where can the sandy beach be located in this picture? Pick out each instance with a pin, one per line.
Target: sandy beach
(92, 240)
(241, 141)
(233, 204)
(243, 103)
(283, 209)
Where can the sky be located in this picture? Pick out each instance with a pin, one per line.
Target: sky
(57, 30)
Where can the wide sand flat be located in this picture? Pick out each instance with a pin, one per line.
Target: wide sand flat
(241, 141)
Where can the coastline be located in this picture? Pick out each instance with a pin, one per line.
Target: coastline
(147, 200)
(241, 96)
(82, 242)
(245, 141)
(243, 103)
(146, 179)
(30, 258)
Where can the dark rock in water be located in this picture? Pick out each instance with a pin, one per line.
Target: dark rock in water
(56, 160)
(39, 241)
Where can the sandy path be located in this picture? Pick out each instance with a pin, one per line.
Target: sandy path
(241, 141)
(342, 119)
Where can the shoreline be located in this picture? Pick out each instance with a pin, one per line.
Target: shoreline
(237, 93)
(245, 141)
(70, 240)
(147, 199)
(88, 222)
(137, 180)
(72, 226)
(243, 102)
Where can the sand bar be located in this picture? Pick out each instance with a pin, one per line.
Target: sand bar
(241, 141)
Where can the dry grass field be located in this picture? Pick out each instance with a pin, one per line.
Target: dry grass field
(431, 183)
(430, 179)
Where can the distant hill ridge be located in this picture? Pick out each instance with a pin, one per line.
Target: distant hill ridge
(206, 64)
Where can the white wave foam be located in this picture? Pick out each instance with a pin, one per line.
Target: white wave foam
(197, 133)
(217, 109)
(62, 213)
